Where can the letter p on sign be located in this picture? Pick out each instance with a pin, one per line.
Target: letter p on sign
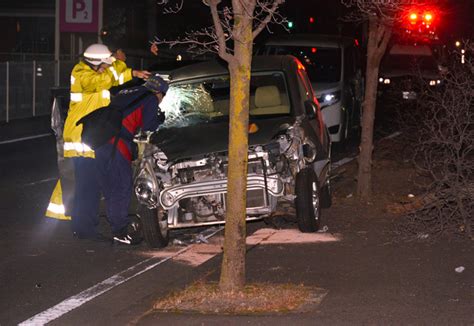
(78, 11)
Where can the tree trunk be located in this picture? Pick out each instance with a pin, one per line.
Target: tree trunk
(379, 35)
(232, 277)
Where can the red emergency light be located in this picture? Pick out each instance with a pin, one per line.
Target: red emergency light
(420, 23)
(421, 18)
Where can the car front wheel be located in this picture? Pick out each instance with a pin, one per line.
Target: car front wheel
(154, 226)
(307, 201)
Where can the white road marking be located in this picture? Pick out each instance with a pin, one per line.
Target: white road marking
(40, 181)
(24, 138)
(87, 295)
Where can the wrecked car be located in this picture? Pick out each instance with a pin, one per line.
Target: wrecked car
(181, 175)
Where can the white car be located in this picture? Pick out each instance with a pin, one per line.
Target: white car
(333, 66)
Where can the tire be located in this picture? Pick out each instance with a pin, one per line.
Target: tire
(307, 201)
(154, 226)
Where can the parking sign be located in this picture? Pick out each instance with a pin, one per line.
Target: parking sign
(79, 15)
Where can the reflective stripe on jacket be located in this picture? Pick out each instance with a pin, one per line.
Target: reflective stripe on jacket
(89, 91)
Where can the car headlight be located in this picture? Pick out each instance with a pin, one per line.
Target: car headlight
(167, 199)
(329, 98)
(435, 82)
(385, 81)
(145, 190)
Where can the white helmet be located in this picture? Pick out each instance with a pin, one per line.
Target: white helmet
(98, 53)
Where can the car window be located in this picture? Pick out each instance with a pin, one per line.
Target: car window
(208, 99)
(322, 64)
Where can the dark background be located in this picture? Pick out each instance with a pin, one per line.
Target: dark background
(28, 26)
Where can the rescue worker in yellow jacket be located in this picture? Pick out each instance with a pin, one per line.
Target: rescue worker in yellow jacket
(91, 80)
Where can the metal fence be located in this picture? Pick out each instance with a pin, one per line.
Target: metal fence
(25, 87)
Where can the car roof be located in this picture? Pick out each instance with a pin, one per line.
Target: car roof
(219, 67)
(403, 49)
(330, 41)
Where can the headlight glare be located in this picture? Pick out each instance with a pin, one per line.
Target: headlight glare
(329, 98)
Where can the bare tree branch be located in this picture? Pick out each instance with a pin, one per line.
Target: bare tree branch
(171, 9)
(270, 14)
(219, 31)
(216, 38)
(442, 129)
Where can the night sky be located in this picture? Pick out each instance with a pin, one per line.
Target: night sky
(130, 21)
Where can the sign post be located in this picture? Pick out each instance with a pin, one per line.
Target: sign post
(76, 16)
(80, 16)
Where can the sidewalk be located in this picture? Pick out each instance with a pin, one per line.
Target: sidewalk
(369, 280)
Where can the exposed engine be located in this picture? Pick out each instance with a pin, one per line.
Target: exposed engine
(194, 191)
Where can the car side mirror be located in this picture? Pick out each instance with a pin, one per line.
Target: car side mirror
(310, 109)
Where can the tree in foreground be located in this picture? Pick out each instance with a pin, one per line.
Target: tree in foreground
(381, 16)
(236, 24)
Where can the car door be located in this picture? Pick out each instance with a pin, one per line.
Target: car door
(318, 128)
(318, 123)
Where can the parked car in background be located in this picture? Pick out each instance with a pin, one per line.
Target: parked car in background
(333, 65)
(408, 69)
(181, 179)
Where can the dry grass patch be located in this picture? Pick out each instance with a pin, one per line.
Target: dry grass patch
(206, 298)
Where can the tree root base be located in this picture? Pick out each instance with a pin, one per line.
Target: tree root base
(206, 298)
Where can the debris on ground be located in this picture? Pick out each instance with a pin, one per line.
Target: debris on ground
(324, 229)
(460, 269)
(178, 242)
(199, 238)
(423, 236)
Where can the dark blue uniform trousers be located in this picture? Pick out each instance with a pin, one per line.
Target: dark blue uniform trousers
(111, 174)
(85, 211)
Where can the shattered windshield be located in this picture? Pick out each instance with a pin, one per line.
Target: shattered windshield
(207, 100)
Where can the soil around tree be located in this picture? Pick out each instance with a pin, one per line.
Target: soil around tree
(206, 298)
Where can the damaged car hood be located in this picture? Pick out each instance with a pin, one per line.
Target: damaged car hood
(195, 140)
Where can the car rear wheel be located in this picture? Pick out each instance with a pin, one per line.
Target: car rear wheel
(307, 201)
(154, 226)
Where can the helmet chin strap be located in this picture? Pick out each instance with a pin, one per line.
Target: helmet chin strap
(93, 66)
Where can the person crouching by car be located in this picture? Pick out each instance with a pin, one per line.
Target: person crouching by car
(114, 158)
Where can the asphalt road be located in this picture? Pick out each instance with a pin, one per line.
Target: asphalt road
(42, 264)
